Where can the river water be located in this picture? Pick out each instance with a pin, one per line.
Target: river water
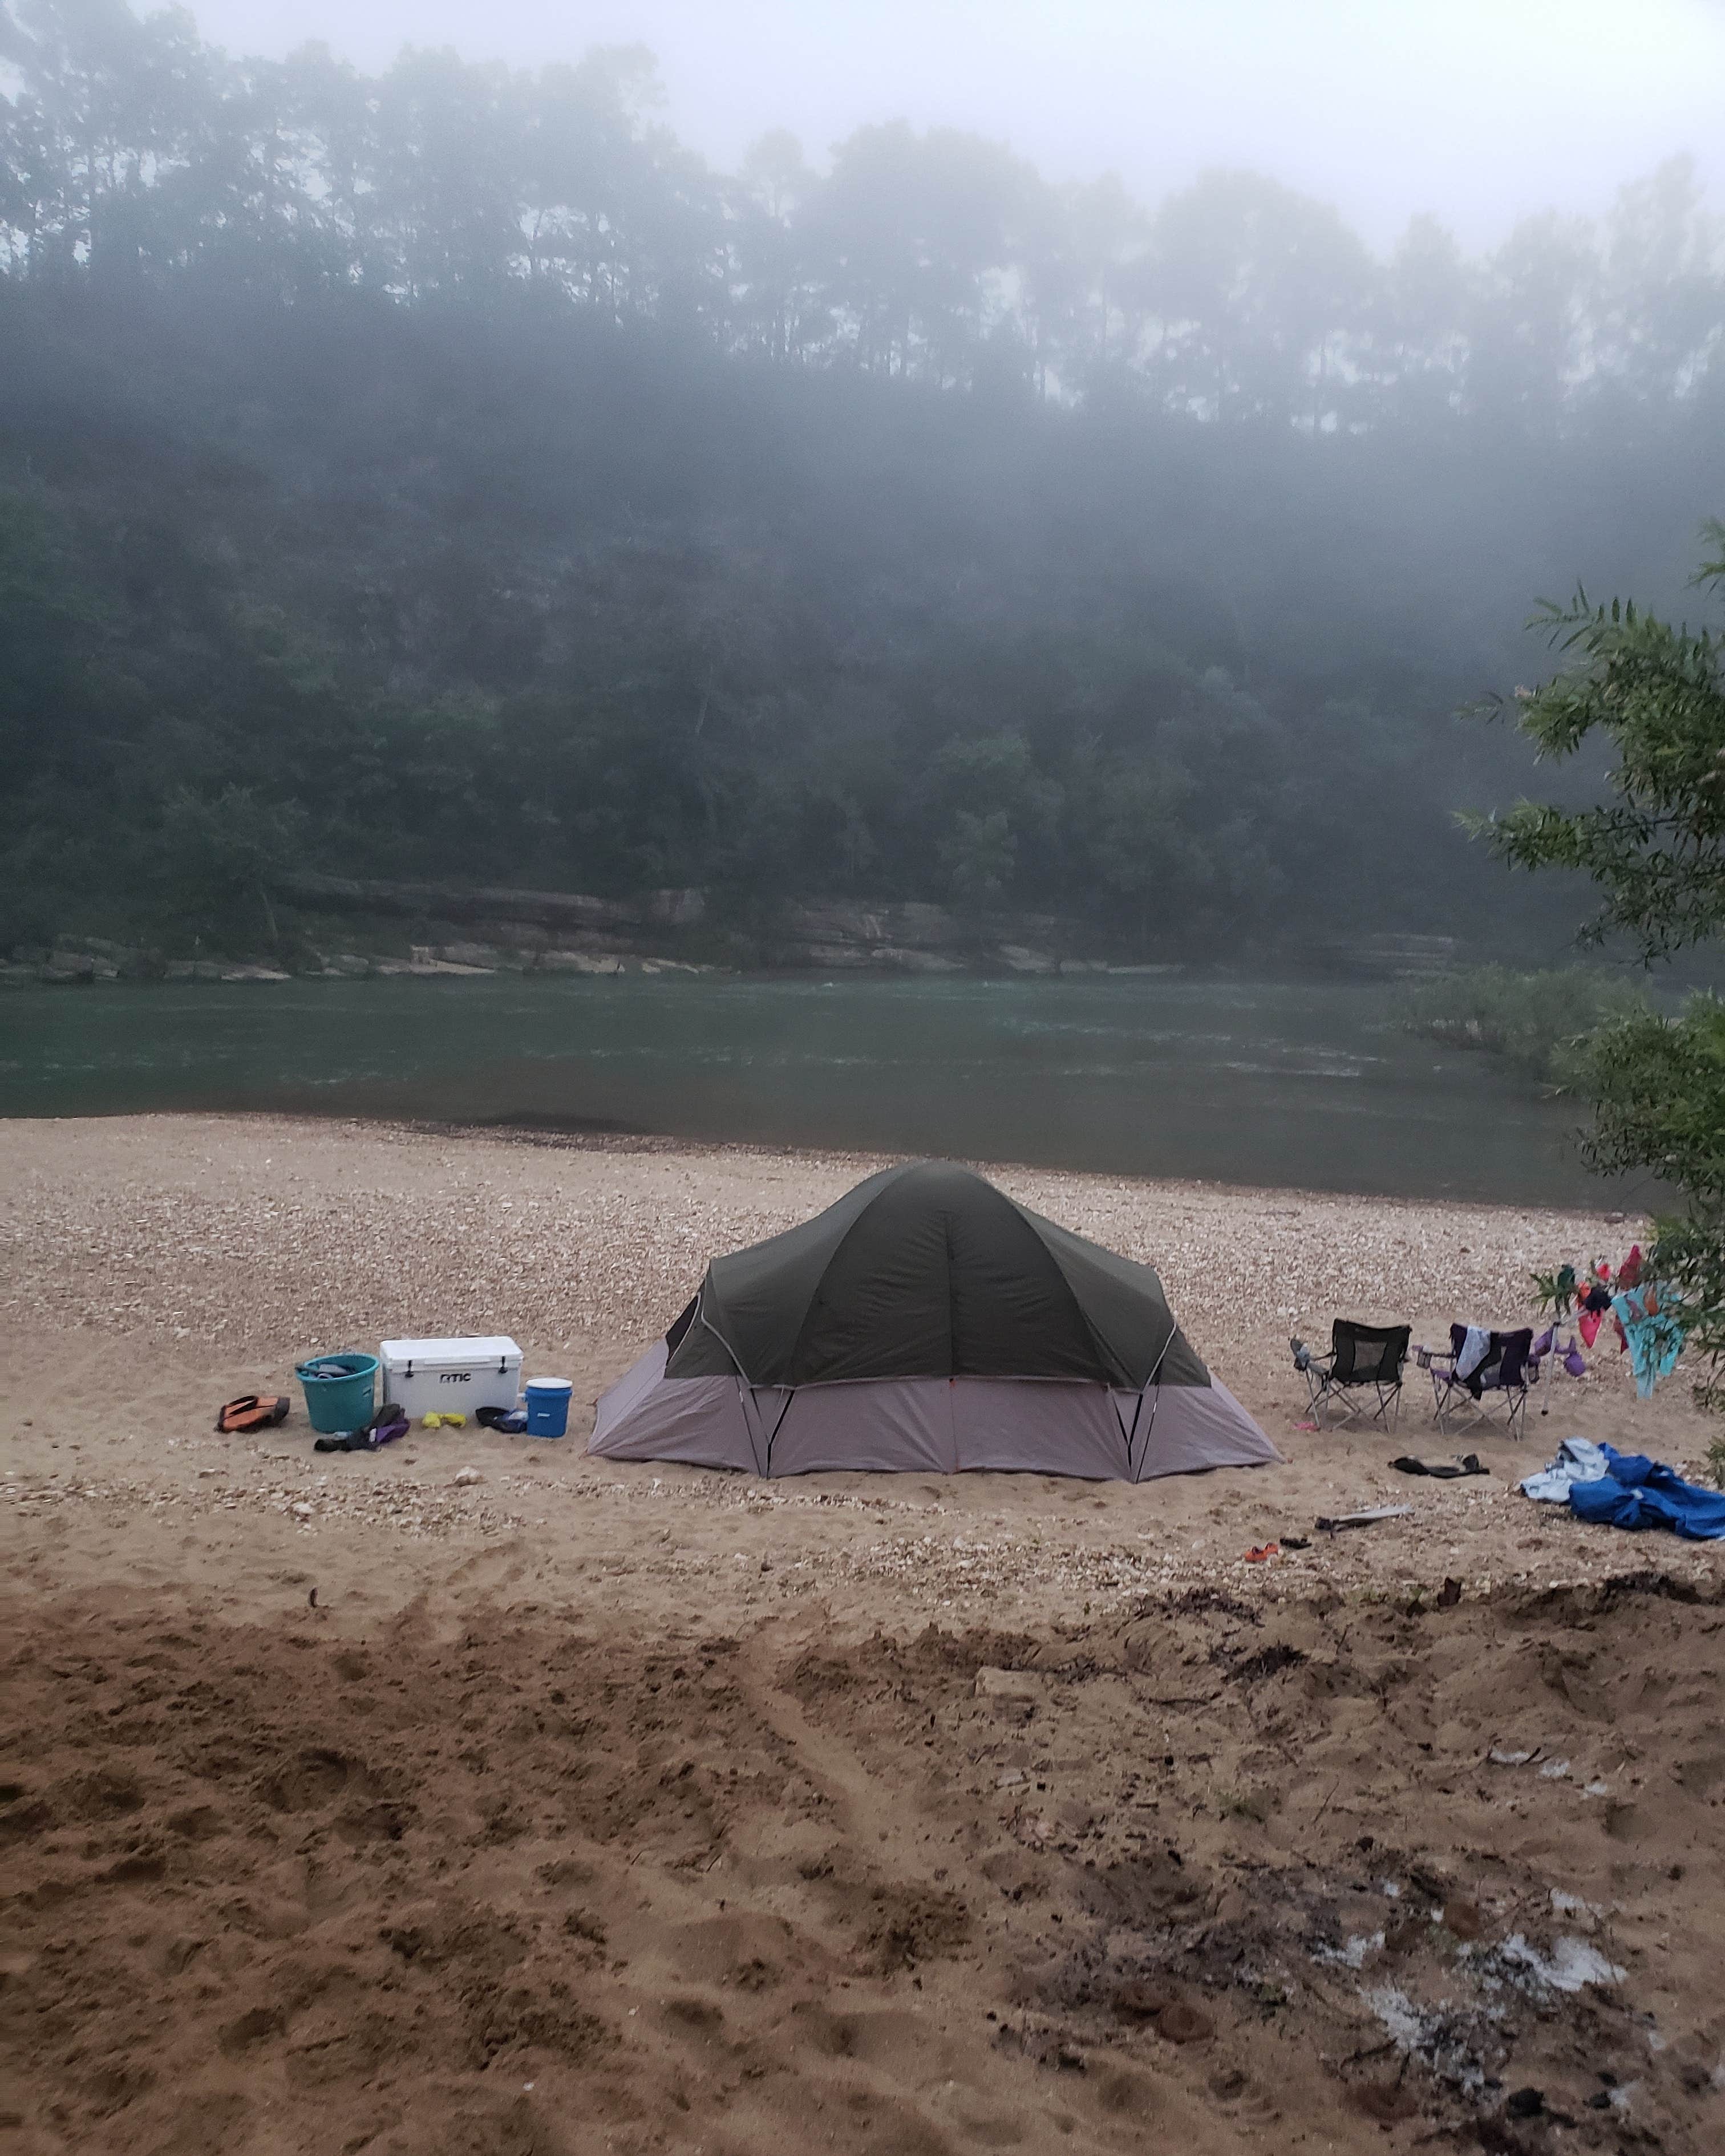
(1237, 1081)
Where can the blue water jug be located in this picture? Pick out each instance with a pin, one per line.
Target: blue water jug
(548, 1406)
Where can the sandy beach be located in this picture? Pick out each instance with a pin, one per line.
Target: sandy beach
(574, 1806)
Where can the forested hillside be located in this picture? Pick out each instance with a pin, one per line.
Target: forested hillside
(445, 475)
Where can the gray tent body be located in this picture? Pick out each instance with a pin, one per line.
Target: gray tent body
(926, 1322)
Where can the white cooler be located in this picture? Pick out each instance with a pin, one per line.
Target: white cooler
(450, 1377)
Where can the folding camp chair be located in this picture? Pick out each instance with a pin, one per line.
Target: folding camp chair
(1362, 1374)
(1495, 1389)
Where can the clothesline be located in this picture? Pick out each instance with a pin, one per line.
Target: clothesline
(1645, 1314)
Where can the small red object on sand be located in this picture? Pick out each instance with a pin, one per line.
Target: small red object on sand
(1264, 1555)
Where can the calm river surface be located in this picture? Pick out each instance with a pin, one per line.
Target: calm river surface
(1243, 1081)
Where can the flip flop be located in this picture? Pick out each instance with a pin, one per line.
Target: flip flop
(252, 1411)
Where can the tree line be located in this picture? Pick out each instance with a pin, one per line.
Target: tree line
(132, 151)
(444, 470)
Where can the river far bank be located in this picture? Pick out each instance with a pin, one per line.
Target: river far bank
(349, 929)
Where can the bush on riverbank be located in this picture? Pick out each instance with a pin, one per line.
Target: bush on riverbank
(1536, 1020)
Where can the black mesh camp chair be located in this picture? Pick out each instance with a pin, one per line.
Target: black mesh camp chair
(1362, 1374)
(1494, 1388)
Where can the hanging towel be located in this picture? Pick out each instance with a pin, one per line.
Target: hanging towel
(1475, 1348)
(1651, 1334)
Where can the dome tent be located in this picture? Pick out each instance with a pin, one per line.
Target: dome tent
(926, 1321)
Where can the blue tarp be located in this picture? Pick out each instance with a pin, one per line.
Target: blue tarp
(1635, 1491)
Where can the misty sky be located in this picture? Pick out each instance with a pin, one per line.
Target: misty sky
(1478, 110)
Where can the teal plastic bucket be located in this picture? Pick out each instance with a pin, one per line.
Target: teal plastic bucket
(337, 1404)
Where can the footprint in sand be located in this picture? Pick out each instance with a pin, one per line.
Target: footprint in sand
(314, 1779)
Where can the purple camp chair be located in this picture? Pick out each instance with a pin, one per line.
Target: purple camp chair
(1494, 1390)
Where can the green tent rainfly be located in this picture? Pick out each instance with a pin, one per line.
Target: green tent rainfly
(928, 1322)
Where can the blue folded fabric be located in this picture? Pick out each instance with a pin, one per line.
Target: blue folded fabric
(1635, 1491)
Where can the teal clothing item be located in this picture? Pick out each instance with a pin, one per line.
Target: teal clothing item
(1655, 1338)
